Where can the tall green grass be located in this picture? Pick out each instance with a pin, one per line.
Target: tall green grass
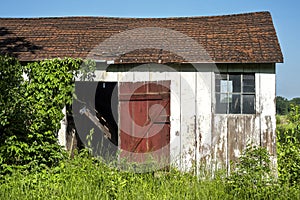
(87, 178)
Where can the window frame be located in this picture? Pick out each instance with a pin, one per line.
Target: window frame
(231, 93)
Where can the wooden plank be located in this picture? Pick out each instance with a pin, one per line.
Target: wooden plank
(145, 121)
(143, 131)
(204, 115)
(240, 133)
(232, 138)
(126, 142)
(139, 88)
(144, 96)
(105, 76)
(267, 109)
(175, 129)
(95, 120)
(219, 142)
(187, 110)
(140, 76)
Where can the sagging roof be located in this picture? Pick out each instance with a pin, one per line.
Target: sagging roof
(240, 38)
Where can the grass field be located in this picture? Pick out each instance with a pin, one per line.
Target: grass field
(87, 178)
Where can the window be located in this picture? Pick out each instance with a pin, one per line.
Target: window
(235, 93)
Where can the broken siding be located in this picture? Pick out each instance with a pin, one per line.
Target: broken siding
(239, 134)
(231, 133)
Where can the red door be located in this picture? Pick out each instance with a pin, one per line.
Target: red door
(145, 121)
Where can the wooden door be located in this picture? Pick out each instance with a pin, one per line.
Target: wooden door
(145, 121)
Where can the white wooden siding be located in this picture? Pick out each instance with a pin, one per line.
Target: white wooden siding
(198, 136)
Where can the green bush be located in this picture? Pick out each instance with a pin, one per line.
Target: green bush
(252, 175)
(288, 148)
(31, 111)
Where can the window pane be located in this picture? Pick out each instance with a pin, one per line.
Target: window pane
(225, 98)
(235, 104)
(221, 107)
(236, 82)
(248, 104)
(219, 78)
(248, 83)
(226, 86)
(235, 93)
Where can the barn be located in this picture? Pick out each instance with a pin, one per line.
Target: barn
(184, 91)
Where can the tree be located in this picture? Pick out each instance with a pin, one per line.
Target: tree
(295, 101)
(282, 105)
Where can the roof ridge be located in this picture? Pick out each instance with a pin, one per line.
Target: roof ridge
(140, 18)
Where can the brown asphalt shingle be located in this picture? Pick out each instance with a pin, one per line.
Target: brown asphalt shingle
(241, 38)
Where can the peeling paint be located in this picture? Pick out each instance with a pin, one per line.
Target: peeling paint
(268, 136)
(197, 134)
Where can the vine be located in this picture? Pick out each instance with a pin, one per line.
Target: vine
(31, 109)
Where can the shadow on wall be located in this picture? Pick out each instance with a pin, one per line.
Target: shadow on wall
(12, 45)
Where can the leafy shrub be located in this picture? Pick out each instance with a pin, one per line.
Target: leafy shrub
(288, 148)
(31, 110)
(252, 174)
(12, 114)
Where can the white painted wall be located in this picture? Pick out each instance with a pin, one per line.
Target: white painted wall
(62, 137)
(198, 135)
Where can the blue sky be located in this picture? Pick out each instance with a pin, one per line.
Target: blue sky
(286, 17)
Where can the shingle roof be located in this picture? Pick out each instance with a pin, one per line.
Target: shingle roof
(241, 38)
